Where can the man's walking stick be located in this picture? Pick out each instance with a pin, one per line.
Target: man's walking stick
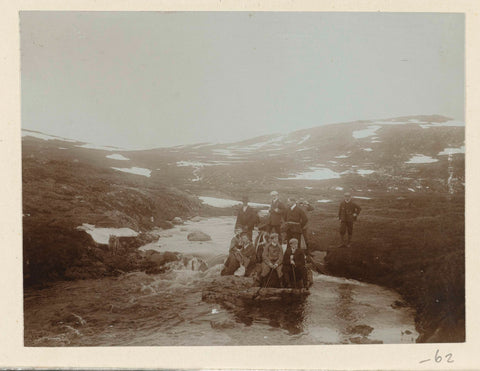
(294, 278)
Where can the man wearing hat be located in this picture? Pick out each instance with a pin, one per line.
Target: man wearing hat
(277, 212)
(247, 218)
(347, 213)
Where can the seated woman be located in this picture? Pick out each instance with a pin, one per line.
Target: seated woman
(272, 260)
(294, 270)
(242, 253)
(234, 258)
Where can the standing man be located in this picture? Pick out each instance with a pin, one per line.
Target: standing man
(347, 213)
(295, 220)
(247, 218)
(277, 211)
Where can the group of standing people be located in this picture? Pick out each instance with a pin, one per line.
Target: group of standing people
(286, 225)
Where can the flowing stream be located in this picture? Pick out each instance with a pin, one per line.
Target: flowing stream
(167, 309)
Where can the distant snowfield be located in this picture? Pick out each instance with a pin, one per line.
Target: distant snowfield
(101, 235)
(29, 133)
(101, 148)
(421, 159)
(321, 173)
(365, 133)
(117, 156)
(222, 202)
(448, 123)
(452, 151)
(135, 170)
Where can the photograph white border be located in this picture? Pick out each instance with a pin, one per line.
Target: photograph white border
(331, 357)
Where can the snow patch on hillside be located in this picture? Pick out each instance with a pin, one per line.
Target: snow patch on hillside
(117, 156)
(35, 134)
(135, 170)
(101, 148)
(304, 139)
(363, 172)
(364, 133)
(448, 124)
(452, 151)
(421, 159)
(315, 173)
(101, 235)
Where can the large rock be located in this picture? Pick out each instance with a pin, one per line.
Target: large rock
(160, 258)
(165, 224)
(198, 236)
(234, 292)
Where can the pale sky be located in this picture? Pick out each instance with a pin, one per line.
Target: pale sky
(155, 79)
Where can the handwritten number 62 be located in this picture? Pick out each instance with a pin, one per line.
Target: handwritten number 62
(438, 357)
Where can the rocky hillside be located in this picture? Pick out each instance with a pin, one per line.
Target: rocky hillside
(60, 194)
(404, 154)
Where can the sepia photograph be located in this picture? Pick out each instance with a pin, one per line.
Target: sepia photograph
(242, 178)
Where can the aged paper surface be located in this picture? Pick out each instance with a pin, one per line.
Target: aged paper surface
(341, 357)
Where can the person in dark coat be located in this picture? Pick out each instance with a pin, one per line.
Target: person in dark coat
(277, 213)
(247, 218)
(295, 221)
(347, 213)
(294, 266)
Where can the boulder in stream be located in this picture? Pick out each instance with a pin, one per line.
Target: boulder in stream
(198, 236)
(234, 292)
(160, 258)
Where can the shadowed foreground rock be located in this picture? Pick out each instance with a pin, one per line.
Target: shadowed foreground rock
(233, 291)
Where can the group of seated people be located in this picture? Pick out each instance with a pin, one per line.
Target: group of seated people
(266, 261)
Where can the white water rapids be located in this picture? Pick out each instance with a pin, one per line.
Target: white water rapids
(167, 309)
